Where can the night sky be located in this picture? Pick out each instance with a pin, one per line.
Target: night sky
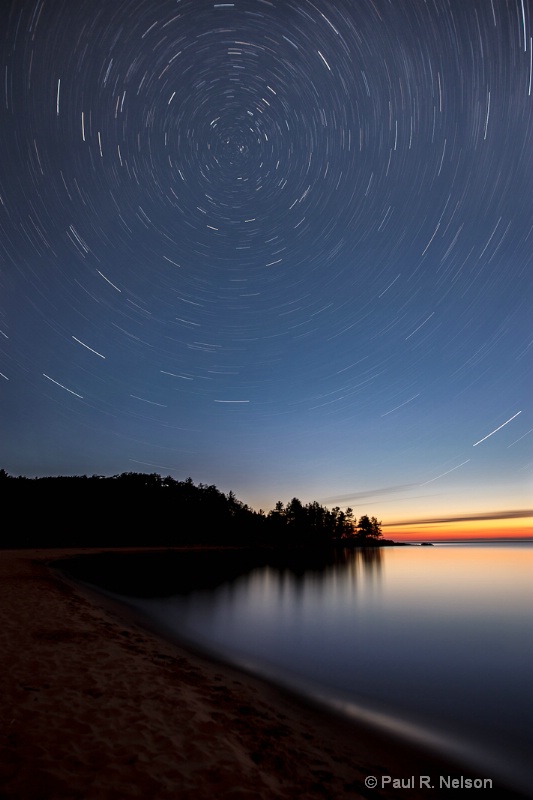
(283, 247)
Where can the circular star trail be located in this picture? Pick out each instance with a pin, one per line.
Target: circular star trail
(280, 246)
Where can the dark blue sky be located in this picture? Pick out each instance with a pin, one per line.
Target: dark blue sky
(282, 247)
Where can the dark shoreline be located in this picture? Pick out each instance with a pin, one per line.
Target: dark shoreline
(98, 707)
(182, 569)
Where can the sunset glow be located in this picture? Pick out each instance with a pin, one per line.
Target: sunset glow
(490, 529)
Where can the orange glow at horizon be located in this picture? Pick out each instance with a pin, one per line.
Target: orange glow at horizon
(475, 529)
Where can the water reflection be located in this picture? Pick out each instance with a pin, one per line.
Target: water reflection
(166, 573)
(440, 637)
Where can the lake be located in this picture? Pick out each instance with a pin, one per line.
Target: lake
(434, 643)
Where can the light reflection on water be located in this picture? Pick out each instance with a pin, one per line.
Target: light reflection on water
(441, 637)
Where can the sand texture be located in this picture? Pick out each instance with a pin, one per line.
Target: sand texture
(93, 706)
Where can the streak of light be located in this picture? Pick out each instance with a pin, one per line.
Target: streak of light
(487, 118)
(520, 438)
(497, 429)
(388, 287)
(109, 282)
(434, 234)
(324, 60)
(530, 64)
(401, 405)
(290, 42)
(417, 329)
(88, 348)
(172, 262)
(524, 25)
(185, 377)
(151, 464)
(331, 25)
(62, 387)
(445, 473)
(144, 400)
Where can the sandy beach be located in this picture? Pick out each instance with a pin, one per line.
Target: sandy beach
(93, 706)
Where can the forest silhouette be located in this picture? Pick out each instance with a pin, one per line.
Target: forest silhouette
(146, 510)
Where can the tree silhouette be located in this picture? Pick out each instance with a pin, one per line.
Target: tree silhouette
(369, 529)
(134, 509)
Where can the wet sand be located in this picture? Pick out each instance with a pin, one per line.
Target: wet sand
(94, 706)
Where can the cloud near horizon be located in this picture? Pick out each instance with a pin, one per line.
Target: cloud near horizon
(345, 498)
(517, 514)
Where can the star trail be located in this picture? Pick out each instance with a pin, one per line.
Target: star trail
(283, 247)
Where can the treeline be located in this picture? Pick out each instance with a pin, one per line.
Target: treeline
(137, 509)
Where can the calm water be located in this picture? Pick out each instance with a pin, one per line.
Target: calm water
(432, 641)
